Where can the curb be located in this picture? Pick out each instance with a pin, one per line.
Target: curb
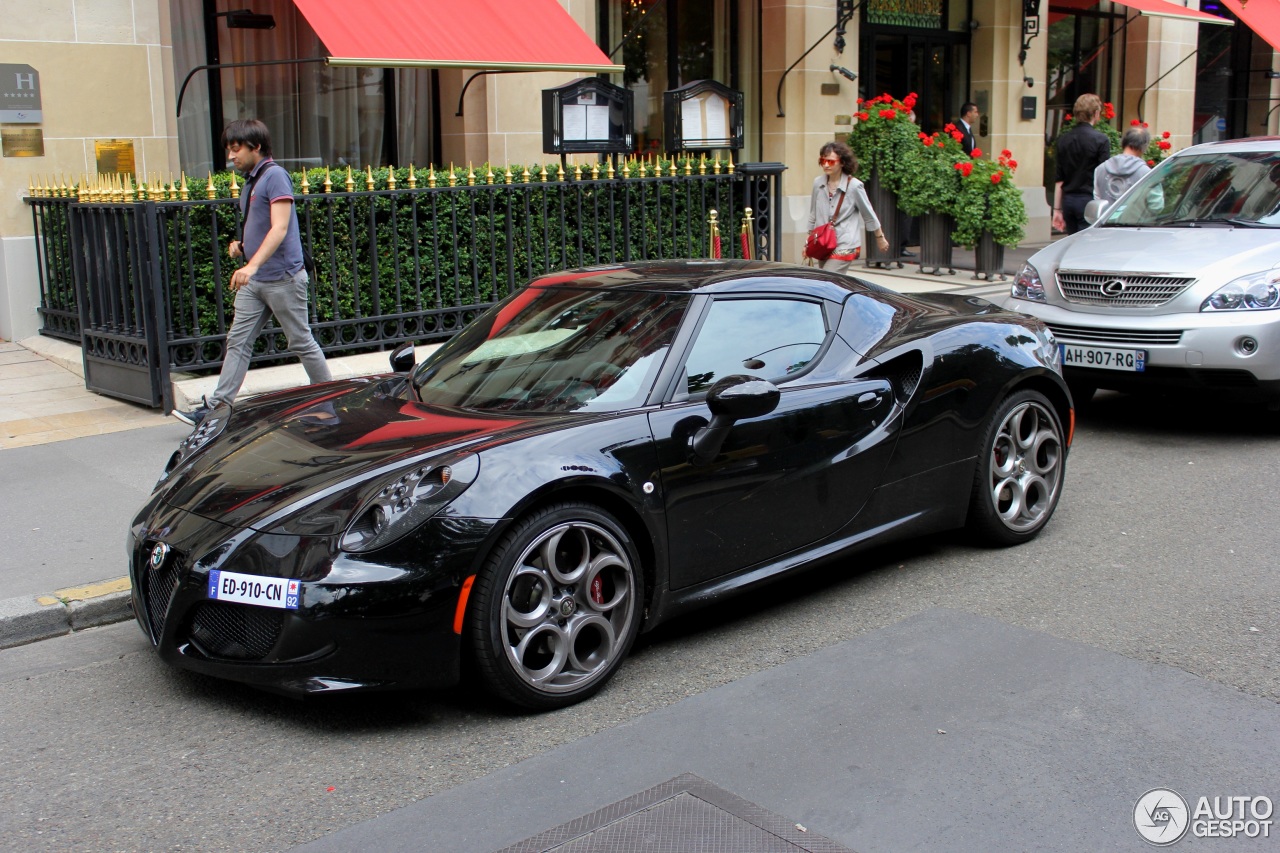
(29, 618)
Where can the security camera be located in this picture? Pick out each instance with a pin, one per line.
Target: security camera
(844, 72)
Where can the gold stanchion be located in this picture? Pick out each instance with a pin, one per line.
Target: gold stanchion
(748, 235)
(713, 231)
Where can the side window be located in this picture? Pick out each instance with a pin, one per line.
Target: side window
(774, 339)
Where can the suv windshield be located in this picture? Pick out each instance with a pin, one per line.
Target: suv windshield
(555, 350)
(1217, 188)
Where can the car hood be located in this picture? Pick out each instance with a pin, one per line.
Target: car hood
(273, 459)
(1216, 254)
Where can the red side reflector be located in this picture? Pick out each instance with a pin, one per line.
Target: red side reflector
(1071, 429)
(461, 612)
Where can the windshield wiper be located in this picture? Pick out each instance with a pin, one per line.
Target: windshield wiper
(1199, 223)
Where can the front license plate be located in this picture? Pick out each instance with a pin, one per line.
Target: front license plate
(254, 589)
(1106, 358)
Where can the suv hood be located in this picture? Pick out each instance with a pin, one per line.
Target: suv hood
(1213, 254)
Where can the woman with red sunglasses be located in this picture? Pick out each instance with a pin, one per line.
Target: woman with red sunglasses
(841, 199)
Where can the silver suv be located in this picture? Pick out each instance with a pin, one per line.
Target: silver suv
(1175, 285)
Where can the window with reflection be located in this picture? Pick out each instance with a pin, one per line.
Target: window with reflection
(773, 339)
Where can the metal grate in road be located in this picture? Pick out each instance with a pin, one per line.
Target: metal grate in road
(686, 814)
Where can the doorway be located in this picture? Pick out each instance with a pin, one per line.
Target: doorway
(932, 63)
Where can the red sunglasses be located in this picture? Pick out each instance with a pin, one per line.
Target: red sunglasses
(828, 161)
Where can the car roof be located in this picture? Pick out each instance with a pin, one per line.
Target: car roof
(1233, 146)
(708, 276)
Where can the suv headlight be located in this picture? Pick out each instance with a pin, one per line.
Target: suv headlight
(1027, 285)
(1257, 292)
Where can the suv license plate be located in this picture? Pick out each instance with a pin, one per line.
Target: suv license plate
(1106, 358)
(254, 589)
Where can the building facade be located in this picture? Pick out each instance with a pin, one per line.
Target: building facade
(144, 86)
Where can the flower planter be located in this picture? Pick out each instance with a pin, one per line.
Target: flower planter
(935, 243)
(885, 204)
(989, 258)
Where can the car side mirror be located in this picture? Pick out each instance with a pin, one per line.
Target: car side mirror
(403, 358)
(731, 399)
(1094, 210)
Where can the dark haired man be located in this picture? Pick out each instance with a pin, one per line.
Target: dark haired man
(968, 118)
(274, 280)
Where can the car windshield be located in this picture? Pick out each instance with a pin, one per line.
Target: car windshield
(556, 350)
(1216, 188)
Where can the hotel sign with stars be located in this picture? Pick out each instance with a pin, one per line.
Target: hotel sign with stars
(20, 95)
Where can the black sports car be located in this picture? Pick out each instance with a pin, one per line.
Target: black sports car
(600, 451)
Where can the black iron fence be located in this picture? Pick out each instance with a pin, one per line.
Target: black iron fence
(141, 284)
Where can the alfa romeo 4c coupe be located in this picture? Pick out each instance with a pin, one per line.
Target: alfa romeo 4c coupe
(600, 451)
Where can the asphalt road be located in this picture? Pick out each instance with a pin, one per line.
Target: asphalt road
(1162, 551)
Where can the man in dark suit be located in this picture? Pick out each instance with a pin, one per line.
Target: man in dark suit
(968, 118)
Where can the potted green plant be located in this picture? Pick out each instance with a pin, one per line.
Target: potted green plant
(929, 184)
(989, 211)
(880, 139)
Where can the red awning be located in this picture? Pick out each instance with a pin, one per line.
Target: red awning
(1167, 9)
(501, 35)
(1261, 16)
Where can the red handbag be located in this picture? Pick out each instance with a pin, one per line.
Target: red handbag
(822, 240)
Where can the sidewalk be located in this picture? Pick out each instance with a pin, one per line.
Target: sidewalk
(70, 454)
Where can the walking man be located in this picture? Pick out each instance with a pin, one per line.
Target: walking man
(274, 280)
(968, 118)
(1080, 151)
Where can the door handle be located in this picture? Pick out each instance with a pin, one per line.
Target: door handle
(870, 399)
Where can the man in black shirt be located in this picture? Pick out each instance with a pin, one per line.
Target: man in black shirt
(1079, 151)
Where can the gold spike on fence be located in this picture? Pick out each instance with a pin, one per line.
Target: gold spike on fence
(368, 182)
(471, 176)
(305, 185)
(542, 174)
(413, 179)
(391, 177)
(507, 177)
(453, 177)
(560, 172)
(235, 187)
(183, 192)
(328, 183)
(351, 181)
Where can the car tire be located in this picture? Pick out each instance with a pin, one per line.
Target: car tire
(556, 607)
(1021, 466)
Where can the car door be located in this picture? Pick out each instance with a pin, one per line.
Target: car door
(780, 482)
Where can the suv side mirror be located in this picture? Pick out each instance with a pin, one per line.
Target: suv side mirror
(1094, 210)
(732, 399)
(403, 358)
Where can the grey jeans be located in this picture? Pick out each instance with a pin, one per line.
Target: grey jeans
(286, 299)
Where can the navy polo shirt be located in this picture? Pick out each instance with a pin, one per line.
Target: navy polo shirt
(272, 185)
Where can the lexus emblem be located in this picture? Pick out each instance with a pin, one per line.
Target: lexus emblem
(1112, 287)
(158, 555)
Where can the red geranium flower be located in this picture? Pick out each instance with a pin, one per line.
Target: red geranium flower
(1006, 153)
(957, 136)
(1135, 122)
(1165, 146)
(996, 176)
(977, 152)
(1151, 162)
(887, 114)
(1165, 134)
(1013, 164)
(928, 140)
(1066, 118)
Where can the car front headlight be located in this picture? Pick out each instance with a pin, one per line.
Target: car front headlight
(406, 500)
(1257, 292)
(1027, 285)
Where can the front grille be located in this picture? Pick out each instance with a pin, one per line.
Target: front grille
(159, 585)
(1130, 337)
(236, 631)
(1085, 288)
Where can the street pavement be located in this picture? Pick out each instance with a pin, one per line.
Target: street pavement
(965, 700)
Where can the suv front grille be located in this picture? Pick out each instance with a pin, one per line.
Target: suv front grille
(1133, 290)
(1128, 337)
(236, 631)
